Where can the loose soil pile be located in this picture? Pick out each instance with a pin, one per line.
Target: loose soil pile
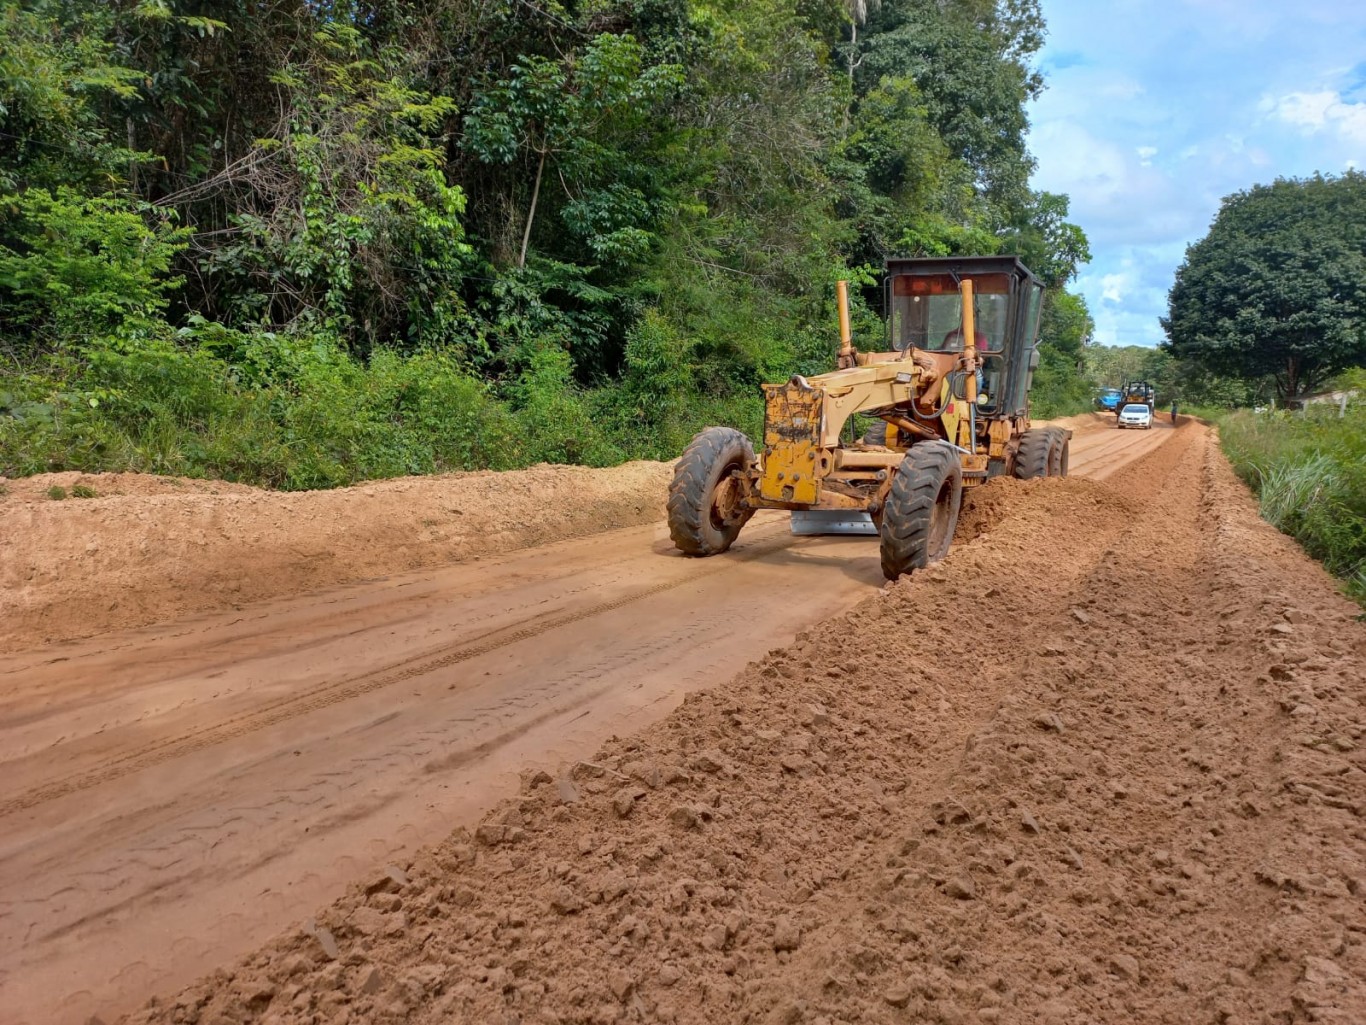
(1103, 764)
(148, 549)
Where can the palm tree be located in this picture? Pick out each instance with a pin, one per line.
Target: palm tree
(858, 15)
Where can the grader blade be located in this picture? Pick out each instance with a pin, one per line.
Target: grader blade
(811, 522)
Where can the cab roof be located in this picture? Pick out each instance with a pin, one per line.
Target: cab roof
(962, 266)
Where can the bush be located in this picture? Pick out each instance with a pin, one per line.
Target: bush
(77, 266)
(301, 414)
(1059, 390)
(554, 418)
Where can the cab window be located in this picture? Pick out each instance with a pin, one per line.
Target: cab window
(927, 312)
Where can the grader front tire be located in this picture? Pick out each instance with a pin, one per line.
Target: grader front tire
(921, 512)
(1032, 459)
(704, 514)
(1058, 453)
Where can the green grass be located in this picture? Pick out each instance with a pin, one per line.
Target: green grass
(310, 416)
(1309, 473)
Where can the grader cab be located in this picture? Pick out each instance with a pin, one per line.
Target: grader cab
(1136, 392)
(949, 397)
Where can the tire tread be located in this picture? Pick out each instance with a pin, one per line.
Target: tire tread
(689, 503)
(908, 515)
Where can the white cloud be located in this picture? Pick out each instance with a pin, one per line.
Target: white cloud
(1150, 120)
(1117, 195)
(1112, 287)
(1315, 112)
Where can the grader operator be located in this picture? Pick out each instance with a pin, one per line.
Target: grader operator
(951, 397)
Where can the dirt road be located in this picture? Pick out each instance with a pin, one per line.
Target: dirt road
(1137, 798)
(173, 797)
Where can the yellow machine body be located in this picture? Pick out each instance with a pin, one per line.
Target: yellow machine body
(808, 460)
(887, 442)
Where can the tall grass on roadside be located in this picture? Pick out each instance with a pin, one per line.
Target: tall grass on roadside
(1288, 489)
(1309, 472)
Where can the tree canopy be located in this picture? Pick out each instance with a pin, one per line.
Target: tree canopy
(1278, 286)
(608, 221)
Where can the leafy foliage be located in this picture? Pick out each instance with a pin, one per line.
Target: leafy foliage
(302, 244)
(1060, 387)
(56, 71)
(79, 266)
(578, 117)
(1278, 286)
(349, 224)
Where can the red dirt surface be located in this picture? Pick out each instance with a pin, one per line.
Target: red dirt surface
(147, 549)
(1103, 764)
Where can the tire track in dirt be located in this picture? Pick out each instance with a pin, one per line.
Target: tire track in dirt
(1094, 451)
(343, 690)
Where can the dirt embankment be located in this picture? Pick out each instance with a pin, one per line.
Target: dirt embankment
(148, 549)
(1102, 765)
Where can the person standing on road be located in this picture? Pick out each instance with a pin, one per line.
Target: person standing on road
(1173, 411)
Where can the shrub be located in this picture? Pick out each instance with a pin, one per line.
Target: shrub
(300, 413)
(76, 267)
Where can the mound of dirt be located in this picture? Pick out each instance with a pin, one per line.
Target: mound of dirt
(987, 506)
(107, 485)
(146, 549)
(1102, 765)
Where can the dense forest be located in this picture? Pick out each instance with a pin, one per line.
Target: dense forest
(301, 242)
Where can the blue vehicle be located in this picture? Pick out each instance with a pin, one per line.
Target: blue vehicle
(1109, 399)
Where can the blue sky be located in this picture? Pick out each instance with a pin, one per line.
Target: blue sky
(1155, 111)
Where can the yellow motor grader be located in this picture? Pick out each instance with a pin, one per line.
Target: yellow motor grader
(950, 397)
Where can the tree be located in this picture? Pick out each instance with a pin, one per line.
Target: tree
(1050, 245)
(969, 59)
(858, 14)
(1109, 366)
(1278, 286)
(1060, 386)
(558, 110)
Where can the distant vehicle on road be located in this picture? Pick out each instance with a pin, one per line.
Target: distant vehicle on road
(1135, 415)
(1135, 392)
(1109, 399)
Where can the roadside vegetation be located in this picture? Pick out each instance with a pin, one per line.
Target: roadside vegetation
(1275, 293)
(301, 244)
(1267, 310)
(1309, 472)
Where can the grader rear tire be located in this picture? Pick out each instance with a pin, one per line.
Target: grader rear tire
(876, 435)
(1058, 453)
(922, 508)
(1032, 459)
(704, 517)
